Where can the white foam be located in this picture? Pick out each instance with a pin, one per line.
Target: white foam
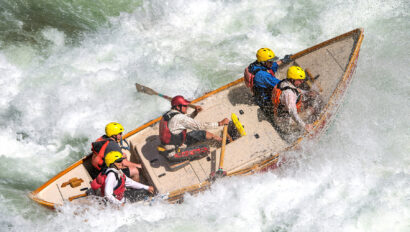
(355, 179)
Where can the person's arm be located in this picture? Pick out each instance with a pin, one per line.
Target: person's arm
(270, 81)
(110, 183)
(285, 60)
(181, 122)
(289, 98)
(130, 183)
(131, 164)
(196, 111)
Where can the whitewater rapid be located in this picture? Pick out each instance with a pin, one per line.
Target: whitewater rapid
(67, 68)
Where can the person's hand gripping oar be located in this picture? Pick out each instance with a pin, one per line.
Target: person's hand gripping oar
(149, 91)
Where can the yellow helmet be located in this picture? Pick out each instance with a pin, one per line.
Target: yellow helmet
(264, 54)
(113, 157)
(296, 73)
(113, 128)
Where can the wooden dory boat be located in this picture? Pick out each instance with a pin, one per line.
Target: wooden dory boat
(260, 150)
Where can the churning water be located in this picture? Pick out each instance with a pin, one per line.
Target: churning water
(69, 67)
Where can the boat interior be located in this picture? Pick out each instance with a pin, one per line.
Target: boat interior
(327, 64)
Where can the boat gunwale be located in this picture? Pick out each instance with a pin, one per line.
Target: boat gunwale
(33, 194)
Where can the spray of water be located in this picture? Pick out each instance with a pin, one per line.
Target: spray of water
(68, 68)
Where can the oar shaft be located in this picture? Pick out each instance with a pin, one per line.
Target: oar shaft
(165, 96)
(77, 196)
(149, 91)
(221, 159)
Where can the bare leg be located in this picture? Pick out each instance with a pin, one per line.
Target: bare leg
(211, 136)
(133, 167)
(135, 174)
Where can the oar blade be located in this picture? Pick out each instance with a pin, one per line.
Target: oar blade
(145, 89)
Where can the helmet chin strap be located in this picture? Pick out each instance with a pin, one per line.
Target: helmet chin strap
(179, 108)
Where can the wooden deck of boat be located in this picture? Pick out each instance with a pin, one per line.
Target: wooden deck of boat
(238, 154)
(261, 141)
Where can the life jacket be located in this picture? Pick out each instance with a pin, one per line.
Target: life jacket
(98, 148)
(278, 107)
(165, 134)
(249, 76)
(99, 183)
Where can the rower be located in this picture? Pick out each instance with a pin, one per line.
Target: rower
(287, 97)
(260, 77)
(176, 143)
(112, 141)
(112, 183)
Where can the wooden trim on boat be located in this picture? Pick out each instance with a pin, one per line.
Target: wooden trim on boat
(240, 80)
(33, 195)
(327, 42)
(59, 175)
(142, 127)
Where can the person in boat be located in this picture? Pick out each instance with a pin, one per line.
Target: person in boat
(112, 141)
(113, 184)
(287, 98)
(260, 77)
(176, 142)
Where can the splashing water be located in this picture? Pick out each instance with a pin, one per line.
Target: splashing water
(69, 67)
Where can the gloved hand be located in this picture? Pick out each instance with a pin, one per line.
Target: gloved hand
(286, 59)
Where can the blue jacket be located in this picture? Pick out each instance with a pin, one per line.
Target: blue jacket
(263, 82)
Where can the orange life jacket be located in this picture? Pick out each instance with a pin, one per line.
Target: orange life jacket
(278, 107)
(98, 148)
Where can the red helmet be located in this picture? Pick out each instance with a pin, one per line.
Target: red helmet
(179, 100)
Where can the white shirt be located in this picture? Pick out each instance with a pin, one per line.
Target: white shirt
(288, 98)
(180, 122)
(111, 182)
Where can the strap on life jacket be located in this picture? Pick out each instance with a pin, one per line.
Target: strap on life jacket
(99, 183)
(276, 93)
(126, 147)
(165, 134)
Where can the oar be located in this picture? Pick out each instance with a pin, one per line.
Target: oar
(311, 79)
(149, 91)
(220, 171)
(77, 196)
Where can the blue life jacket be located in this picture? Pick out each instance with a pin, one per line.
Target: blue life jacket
(264, 81)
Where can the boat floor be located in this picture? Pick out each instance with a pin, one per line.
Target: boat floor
(237, 154)
(261, 141)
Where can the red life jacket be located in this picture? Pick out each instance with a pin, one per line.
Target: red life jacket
(278, 108)
(165, 134)
(99, 183)
(249, 76)
(98, 148)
